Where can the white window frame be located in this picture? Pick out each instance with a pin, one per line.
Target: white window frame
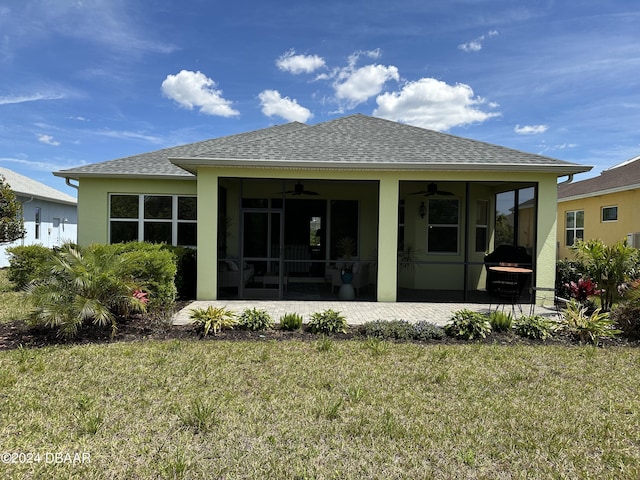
(141, 220)
(575, 227)
(607, 207)
(484, 205)
(444, 225)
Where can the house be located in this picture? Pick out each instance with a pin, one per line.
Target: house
(269, 209)
(50, 216)
(603, 207)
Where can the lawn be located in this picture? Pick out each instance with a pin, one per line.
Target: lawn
(320, 409)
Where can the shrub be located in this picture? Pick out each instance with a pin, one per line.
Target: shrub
(28, 263)
(535, 326)
(291, 321)
(255, 319)
(150, 265)
(386, 330)
(587, 327)
(186, 271)
(627, 318)
(467, 325)
(84, 286)
(501, 321)
(212, 319)
(424, 330)
(327, 322)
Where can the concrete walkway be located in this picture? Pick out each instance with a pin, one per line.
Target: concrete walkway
(356, 313)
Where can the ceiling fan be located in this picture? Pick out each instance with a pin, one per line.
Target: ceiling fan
(432, 189)
(298, 189)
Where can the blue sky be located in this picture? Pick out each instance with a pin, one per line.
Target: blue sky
(84, 81)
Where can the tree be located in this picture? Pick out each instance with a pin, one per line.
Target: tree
(11, 222)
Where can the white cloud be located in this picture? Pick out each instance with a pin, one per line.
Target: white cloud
(431, 103)
(475, 45)
(128, 135)
(194, 89)
(357, 86)
(34, 97)
(530, 129)
(297, 64)
(273, 104)
(48, 139)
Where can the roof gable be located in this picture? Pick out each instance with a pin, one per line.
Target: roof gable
(25, 186)
(624, 176)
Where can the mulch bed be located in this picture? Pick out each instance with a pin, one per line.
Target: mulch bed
(139, 328)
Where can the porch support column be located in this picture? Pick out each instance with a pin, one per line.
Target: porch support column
(207, 258)
(388, 239)
(546, 241)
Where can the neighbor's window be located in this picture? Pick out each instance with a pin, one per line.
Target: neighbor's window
(37, 222)
(442, 230)
(609, 214)
(574, 221)
(482, 226)
(169, 219)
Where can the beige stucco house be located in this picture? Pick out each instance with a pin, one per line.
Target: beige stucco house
(268, 210)
(605, 207)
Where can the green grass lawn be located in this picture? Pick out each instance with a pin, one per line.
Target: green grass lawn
(325, 409)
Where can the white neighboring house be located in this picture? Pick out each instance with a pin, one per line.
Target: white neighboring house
(50, 216)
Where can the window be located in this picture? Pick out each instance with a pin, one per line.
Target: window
(574, 225)
(37, 222)
(169, 219)
(482, 225)
(442, 230)
(609, 214)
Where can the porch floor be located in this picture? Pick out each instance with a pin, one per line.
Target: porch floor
(359, 312)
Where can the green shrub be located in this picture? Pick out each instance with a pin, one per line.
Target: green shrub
(291, 321)
(28, 263)
(150, 265)
(186, 271)
(84, 285)
(536, 327)
(589, 327)
(501, 321)
(328, 322)
(467, 325)
(388, 329)
(424, 330)
(255, 319)
(213, 319)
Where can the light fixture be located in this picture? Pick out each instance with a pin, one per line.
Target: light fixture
(422, 210)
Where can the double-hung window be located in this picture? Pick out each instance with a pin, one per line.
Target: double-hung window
(443, 225)
(610, 214)
(170, 219)
(574, 226)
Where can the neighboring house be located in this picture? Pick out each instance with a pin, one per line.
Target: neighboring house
(267, 209)
(605, 207)
(50, 216)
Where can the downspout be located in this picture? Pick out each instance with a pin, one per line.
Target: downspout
(67, 180)
(568, 180)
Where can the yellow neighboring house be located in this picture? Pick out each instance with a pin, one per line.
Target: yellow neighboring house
(606, 207)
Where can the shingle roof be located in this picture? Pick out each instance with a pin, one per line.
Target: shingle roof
(625, 176)
(24, 186)
(356, 141)
(157, 164)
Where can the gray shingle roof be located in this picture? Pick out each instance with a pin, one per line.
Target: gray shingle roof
(356, 141)
(622, 177)
(26, 187)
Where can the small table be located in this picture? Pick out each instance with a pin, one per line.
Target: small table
(509, 285)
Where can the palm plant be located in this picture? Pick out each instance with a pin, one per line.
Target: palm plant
(84, 286)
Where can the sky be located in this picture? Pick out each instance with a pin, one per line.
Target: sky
(85, 81)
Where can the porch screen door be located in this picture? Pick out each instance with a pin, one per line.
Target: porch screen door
(262, 247)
